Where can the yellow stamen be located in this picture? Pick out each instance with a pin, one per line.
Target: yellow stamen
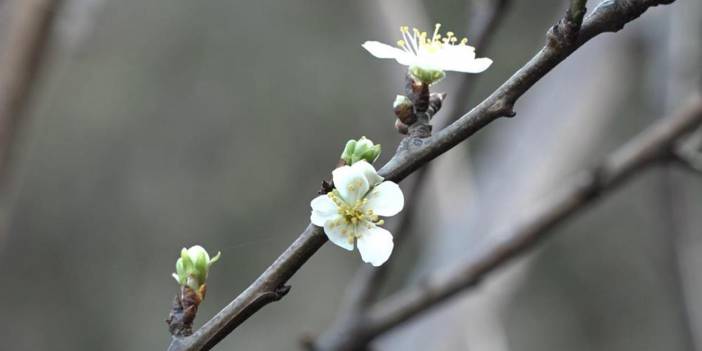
(353, 214)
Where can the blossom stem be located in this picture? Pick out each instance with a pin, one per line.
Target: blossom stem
(418, 93)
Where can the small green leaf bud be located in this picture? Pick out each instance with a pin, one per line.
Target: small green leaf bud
(193, 267)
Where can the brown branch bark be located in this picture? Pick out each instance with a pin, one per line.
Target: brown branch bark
(650, 146)
(22, 58)
(415, 152)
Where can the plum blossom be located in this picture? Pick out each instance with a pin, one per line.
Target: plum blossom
(350, 214)
(429, 57)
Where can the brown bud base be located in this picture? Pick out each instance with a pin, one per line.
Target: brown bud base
(413, 119)
(401, 127)
(418, 92)
(328, 185)
(180, 319)
(405, 113)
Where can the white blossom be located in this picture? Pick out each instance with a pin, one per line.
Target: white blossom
(430, 56)
(350, 214)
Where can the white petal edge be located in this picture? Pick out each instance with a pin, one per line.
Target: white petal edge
(333, 228)
(473, 66)
(375, 245)
(323, 209)
(351, 183)
(369, 172)
(383, 51)
(386, 199)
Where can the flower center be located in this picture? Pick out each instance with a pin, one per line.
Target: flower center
(352, 214)
(417, 42)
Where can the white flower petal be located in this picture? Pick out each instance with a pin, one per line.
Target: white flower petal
(368, 171)
(351, 183)
(406, 59)
(323, 209)
(474, 66)
(461, 52)
(383, 51)
(386, 199)
(462, 59)
(375, 245)
(339, 232)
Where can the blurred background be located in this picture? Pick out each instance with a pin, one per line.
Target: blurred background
(161, 124)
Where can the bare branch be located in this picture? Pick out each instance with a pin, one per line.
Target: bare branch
(20, 64)
(413, 153)
(651, 146)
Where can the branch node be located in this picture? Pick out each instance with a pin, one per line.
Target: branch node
(562, 35)
(435, 102)
(420, 130)
(281, 291)
(183, 311)
(326, 187)
(688, 153)
(688, 159)
(413, 118)
(503, 107)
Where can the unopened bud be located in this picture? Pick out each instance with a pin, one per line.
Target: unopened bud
(361, 149)
(193, 267)
(404, 109)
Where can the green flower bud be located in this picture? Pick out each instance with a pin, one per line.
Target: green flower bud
(361, 149)
(348, 151)
(193, 266)
(425, 75)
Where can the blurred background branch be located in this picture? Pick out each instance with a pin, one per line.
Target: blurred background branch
(20, 65)
(651, 146)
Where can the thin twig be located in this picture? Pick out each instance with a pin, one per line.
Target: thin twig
(412, 154)
(646, 149)
(22, 59)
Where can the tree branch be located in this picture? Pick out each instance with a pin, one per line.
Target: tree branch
(650, 146)
(22, 59)
(413, 153)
